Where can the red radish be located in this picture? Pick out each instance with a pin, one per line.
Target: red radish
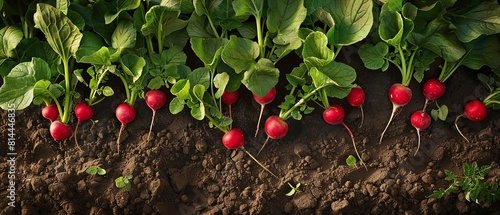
(275, 128)
(234, 139)
(356, 98)
(475, 111)
(83, 112)
(399, 95)
(433, 89)
(50, 112)
(229, 98)
(334, 115)
(125, 114)
(263, 101)
(420, 120)
(155, 99)
(59, 130)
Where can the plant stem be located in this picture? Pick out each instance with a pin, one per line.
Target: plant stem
(223, 129)
(214, 30)
(125, 84)
(286, 114)
(259, 37)
(67, 96)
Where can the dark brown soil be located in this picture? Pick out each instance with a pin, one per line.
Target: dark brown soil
(185, 169)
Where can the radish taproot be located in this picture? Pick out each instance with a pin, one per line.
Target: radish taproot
(50, 112)
(263, 101)
(275, 128)
(155, 99)
(59, 130)
(125, 114)
(420, 120)
(475, 111)
(83, 112)
(356, 98)
(400, 95)
(234, 139)
(432, 90)
(334, 115)
(229, 98)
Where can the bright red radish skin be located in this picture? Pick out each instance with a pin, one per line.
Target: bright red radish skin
(229, 98)
(475, 111)
(356, 98)
(83, 112)
(399, 95)
(334, 115)
(275, 128)
(50, 112)
(155, 99)
(432, 90)
(420, 120)
(234, 139)
(263, 101)
(59, 130)
(125, 114)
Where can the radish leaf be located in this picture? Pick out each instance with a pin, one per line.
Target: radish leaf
(353, 21)
(261, 78)
(240, 53)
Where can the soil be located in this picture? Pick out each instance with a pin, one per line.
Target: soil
(185, 169)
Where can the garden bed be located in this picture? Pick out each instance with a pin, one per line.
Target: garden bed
(185, 169)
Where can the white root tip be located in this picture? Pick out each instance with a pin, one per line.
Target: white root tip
(394, 108)
(418, 142)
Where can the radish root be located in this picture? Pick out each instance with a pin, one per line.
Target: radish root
(119, 135)
(354, 144)
(260, 164)
(362, 116)
(418, 145)
(76, 140)
(260, 116)
(263, 146)
(458, 129)
(151, 125)
(394, 109)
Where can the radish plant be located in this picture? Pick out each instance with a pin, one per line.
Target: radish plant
(420, 120)
(356, 98)
(229, 98)
(476, 110)
(399, 29)
(155, 99)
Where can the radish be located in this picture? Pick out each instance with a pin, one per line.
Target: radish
(125, 114)
(234, 139)
(275, 128)
(420, 120)
(400, 95)
(475, 111)
(155, 99)
(334, 115)
(432, 90)
(50, 112)
(263, 101)
(356, 98)
(59, 130)
(229, 98)
(83, 112)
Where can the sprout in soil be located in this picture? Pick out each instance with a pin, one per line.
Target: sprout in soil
(124, 182)
(95, 169)
(351, 161)
(294, 189)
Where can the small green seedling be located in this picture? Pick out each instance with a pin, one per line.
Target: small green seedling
(440, 113)
(351, 161)
(470, 183)
(294, 189)
(124, 182)
(92, 170)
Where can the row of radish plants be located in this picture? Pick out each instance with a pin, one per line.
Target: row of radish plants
(50, 47)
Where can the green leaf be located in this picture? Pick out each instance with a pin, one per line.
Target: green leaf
(176, 105)
(261, 78)
(92, 50)
(208, 50)
(483, 19)
(240, 53)
(249, 7)
(17, 88)
(198, 26)
(391, 28)
(115, 7)
(161, 22)
(373, 57)
(108, 91)
(483, 51)
(199, 111)
(224, 16)
(62, 5)
(10, 36)
(133, 65)
(92, 170)
(124, 35)
(45, 89)
(284, 20)
(205, 7)
(62, 35)
(351, 160)
(353, 21)
(335, 73)
(315, 51)
(101, 171)
(181, 89)
(220, 82)
(200, 76)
